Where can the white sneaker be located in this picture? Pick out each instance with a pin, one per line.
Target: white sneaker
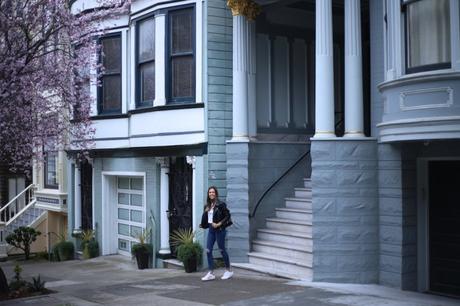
(227, 275)
(208, 277)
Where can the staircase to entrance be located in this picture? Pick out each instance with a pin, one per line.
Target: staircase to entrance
(284, 246)
(20, 211)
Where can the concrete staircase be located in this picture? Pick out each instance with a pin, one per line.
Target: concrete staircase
(284, 247)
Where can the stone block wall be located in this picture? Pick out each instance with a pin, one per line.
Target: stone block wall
(238, 240)
(398, 217)
(345, 210)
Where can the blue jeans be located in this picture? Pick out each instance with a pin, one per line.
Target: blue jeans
(219, 235)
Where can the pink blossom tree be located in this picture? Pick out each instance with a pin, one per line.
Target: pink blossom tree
(46, 66)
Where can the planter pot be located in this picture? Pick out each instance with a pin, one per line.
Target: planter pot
(190, 264)
(142, 259)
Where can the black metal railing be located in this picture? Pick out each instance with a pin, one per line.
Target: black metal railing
(298, 160)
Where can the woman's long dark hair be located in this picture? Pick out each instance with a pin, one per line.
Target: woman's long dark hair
(208, 200)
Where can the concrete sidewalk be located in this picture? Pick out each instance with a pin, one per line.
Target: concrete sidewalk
(115, 280)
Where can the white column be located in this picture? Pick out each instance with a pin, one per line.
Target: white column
(164, 204)
(191, 160)
(160, 88)
(77, 198)
(252, 123)
(354, 126)
(240, 78)
(324, 74)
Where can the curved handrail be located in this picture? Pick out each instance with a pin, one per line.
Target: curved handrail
(283, 175)
(276, 182)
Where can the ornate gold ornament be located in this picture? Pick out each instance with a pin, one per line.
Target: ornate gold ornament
(246, 8)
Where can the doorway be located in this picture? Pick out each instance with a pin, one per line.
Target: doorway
(180, 195)
(444, 232)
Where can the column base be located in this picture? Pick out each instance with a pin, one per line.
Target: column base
(240, 138)
(354, 135)
(164, 251)
(164, 255)
(324, 135)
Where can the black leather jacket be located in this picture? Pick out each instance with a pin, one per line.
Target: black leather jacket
(221, 214)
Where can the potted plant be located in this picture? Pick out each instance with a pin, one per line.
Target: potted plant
(89, 244)
(142, 250)
(188, 250)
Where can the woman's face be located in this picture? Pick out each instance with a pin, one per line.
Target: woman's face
(212, 194)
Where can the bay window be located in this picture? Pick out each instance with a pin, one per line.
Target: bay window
(428, 37)
(109, 91)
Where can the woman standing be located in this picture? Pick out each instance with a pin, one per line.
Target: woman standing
(216, 217)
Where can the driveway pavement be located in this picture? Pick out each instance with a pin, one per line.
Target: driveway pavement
(114, 280)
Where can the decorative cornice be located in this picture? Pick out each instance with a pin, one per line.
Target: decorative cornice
(246, 8)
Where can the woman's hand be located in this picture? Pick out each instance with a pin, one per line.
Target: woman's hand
(216, 225)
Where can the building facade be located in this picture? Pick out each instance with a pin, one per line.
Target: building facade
(330, 128)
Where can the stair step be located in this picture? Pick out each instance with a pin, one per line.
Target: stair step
(284, 250)
(282, 264)
(289, 225)
(300, 239)
(298, 203)
(265, 270)
(307, 182)
(294, 214)
(303, 193)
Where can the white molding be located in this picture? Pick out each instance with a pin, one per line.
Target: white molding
(124, 70)
(199, 28)
(448, 103)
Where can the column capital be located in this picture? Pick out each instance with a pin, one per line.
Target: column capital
(163, 162)
(191, 160)
(246, 8)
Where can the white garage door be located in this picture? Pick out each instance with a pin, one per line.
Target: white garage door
(130, 212)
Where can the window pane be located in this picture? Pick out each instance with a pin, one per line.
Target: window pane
(123, 229)
(123, 244)
(111, 92)
(182, 76)
(136, 216)
(51, 173)
(123, 214)
(136, 200)
(147, 74)
(135, 231)
(111, 54)
(123, 198)
(146, 40)
(181, 26)
(123, 183)
(428, 30)
(136, 184)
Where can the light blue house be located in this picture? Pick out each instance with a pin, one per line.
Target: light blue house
(330, 128)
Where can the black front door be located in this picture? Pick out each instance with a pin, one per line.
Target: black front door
(180, 195)
(86, 195)
(444, 226)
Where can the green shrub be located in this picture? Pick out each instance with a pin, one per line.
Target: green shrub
(188, 250)
(63, 250)
(141, 248)
(22, 238)
(37, 284)
(90, 249)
